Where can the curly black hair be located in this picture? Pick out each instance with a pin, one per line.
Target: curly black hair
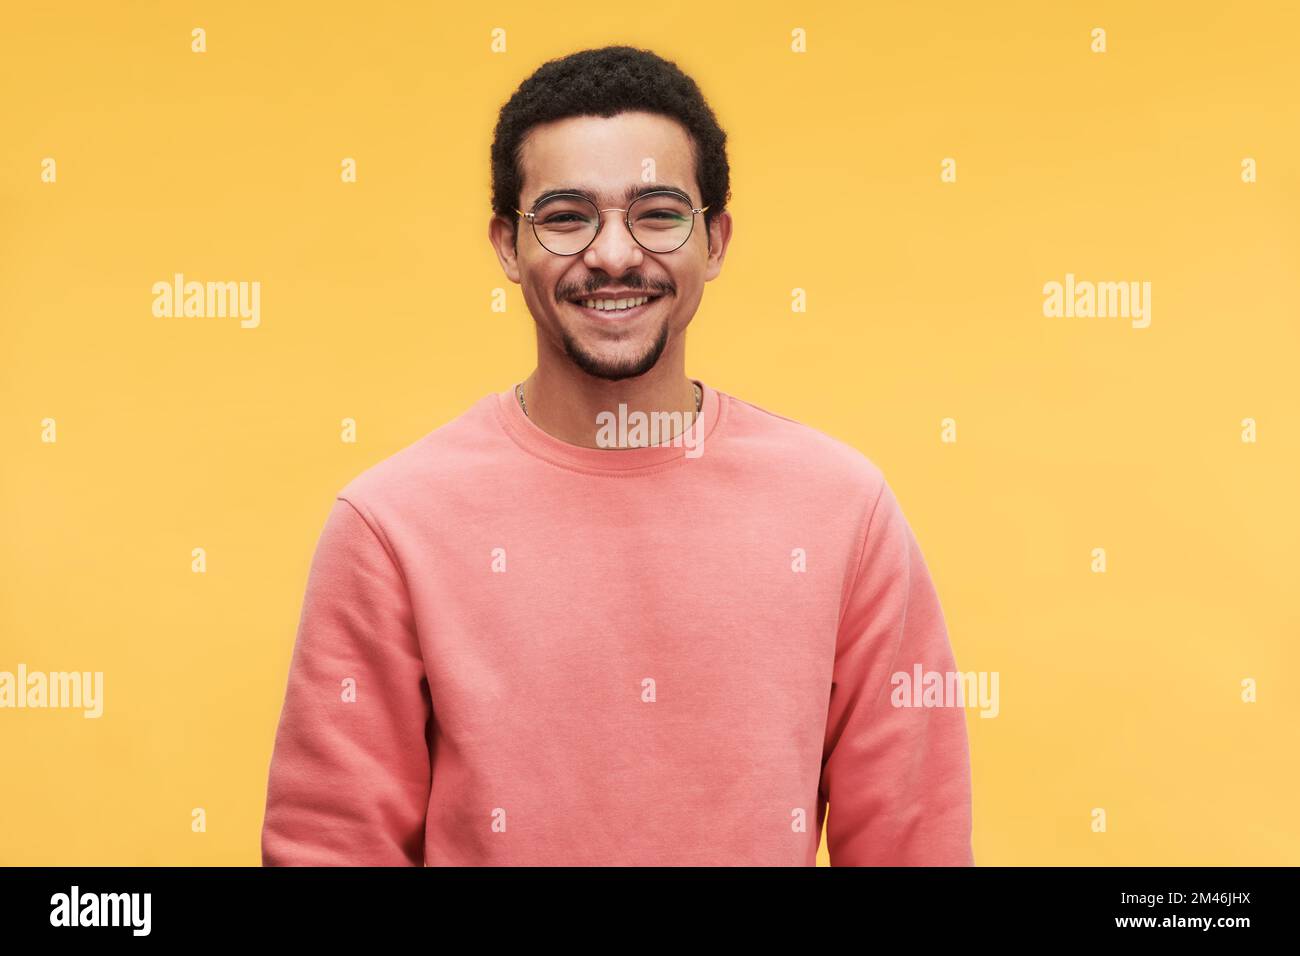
(604, 82)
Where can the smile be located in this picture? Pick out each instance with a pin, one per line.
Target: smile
(622, 308)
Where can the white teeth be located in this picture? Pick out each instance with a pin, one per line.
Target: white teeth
(615, 305)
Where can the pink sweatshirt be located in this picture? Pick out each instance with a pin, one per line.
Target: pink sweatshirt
(517, 651)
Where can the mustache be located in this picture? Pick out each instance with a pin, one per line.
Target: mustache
(590, 292)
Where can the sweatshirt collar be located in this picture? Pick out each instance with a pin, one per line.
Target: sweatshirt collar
(692, 446)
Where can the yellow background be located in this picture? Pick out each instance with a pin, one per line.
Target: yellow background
(1118, 690)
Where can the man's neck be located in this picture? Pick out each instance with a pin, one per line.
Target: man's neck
(566, 403)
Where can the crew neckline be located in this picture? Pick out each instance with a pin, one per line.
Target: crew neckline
(614, 461)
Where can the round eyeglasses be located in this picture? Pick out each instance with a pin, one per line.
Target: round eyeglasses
(566, 224)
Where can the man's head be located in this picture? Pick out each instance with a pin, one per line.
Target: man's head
(611, 124)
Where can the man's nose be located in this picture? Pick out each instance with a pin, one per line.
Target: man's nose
(613, 249)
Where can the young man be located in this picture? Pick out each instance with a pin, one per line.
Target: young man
(541, 635)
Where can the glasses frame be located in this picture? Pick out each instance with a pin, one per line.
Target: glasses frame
(531, 216)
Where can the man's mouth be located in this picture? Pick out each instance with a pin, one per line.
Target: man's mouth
(615, 307)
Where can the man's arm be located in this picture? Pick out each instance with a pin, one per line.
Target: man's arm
(350, 774)
(897, 778)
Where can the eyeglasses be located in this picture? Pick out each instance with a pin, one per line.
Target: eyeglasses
(566, 224)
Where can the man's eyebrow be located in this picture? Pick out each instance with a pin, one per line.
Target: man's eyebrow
(629, 194)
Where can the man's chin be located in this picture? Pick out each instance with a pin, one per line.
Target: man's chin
(628, 360)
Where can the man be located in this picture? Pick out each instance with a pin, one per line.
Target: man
(535, 637)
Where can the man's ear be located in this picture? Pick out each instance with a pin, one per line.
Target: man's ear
(720, 229)
(504, 237)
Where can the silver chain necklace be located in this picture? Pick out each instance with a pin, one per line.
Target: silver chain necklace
(699, 397)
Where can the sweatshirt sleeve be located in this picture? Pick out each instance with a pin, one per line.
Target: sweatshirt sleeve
(897, 779)
(349, 777)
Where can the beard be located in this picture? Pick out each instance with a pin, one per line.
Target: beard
(615, 370)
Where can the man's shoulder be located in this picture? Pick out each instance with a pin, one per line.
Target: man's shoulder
(767, 436)
(418, 470)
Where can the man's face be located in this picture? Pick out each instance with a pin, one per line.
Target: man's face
(606, 157)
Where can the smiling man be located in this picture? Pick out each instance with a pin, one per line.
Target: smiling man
(523, 643)
(611, 304)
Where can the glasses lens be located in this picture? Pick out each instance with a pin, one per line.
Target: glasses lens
(661, 221)
(565, 224)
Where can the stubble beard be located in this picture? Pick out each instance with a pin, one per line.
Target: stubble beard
(615, 370)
